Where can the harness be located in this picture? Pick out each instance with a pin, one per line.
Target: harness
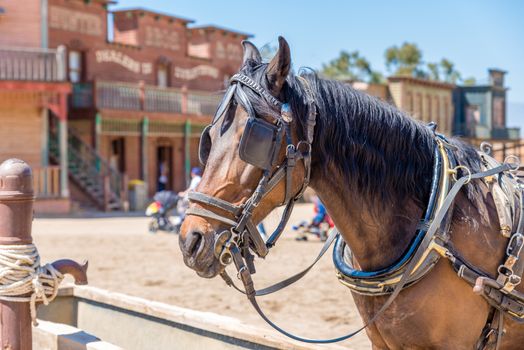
(260, 145)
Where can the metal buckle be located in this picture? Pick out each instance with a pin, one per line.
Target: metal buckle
(515, 242)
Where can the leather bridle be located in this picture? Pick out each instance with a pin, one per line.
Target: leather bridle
(243, 234)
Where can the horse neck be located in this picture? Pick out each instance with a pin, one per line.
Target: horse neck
(376, 241)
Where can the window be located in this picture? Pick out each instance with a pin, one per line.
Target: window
(75, 66)
(162, 76)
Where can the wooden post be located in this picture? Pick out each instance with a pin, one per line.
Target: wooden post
(44, 145)
(142, 88)
(64, 161)
(97, 138)
(123, 192)
(16, 214)
(187, 149)
(144, 150)
(107, 191)
(184, 103)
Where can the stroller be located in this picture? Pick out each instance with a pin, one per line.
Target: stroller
(159, 210)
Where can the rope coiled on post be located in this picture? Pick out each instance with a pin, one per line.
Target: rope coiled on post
(22, 279)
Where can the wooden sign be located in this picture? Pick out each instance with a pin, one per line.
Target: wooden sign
(113, 56)
(162, 38)
(75, 21)
(195, 72)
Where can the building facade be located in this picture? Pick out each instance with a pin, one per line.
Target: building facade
(480, 110)
(426, 100)
(142, 84)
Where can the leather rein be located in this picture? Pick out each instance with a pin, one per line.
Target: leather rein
(235, 245)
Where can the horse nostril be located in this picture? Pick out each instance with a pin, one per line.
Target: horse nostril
(193, 242)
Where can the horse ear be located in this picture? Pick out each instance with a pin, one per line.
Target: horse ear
(279, 67)
(250, 52)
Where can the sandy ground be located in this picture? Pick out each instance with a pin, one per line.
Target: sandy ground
(124, 257)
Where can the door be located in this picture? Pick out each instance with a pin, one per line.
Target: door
(162, 76)
(117, 160)
(164, 161)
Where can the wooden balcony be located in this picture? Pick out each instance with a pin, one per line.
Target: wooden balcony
(141, 97)
(32, 64)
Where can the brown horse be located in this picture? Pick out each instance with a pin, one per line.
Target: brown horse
(371, 165)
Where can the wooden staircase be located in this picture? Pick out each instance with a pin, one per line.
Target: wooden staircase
(104, 185)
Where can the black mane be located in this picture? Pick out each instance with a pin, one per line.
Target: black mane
(383, 154)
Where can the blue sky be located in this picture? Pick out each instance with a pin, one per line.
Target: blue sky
(475, 35)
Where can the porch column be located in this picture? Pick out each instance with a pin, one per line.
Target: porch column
(44, 146)
(96, 138)
(62, 141)
(143, 149)
(44, 143)
(187, 149)
(63, 147)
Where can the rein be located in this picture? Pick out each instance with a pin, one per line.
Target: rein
(428, 246)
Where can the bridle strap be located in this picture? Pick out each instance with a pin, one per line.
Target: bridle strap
(202, 212)
(253, 85)
(215, 202)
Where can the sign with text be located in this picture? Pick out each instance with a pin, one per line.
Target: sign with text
(75, 21)
(195, 72)
(162, 38)
(123, 60)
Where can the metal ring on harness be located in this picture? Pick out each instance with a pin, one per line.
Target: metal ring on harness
(454, 172)
(486, 147)
(515, 165)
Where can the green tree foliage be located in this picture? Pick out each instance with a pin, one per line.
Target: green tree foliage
(434, 73)
(404, 60)
(351, 66)
(449, 72)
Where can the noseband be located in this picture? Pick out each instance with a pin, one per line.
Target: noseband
(260, 146)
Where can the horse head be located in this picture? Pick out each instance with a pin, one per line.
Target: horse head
(247, 172)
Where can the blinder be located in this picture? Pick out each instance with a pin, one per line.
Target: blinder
(261, 140)
(260, 143)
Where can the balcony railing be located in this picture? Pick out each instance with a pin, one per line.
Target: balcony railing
(140, 97)
(505, 133)
(47, 182)
(30, 64)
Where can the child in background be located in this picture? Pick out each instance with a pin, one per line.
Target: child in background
(318, 226)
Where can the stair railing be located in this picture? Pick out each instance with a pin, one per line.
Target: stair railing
(94, 174)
